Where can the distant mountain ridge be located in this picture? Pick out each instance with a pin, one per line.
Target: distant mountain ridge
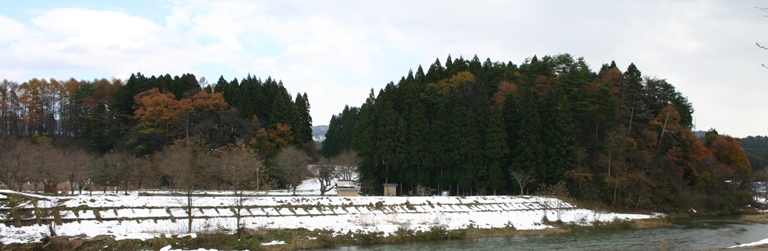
(318, 133)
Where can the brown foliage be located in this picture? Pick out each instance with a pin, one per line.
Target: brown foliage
(269, 140)
(614, 77)
(728, 150)
(505, 89)
(203, 101)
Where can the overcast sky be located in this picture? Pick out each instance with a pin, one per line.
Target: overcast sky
(336, 51)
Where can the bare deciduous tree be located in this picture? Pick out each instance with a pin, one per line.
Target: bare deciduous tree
(346, 164)
(44, 165)
(15, 158)
(240, 167)
(523, 178)
(325, 172)
(76, 164)
(116, 169)
(292, 163)
(180, 163)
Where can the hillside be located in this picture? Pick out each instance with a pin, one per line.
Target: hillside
(757, 151)
(482, 127)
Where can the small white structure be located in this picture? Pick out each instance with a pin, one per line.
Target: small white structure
(347, 188)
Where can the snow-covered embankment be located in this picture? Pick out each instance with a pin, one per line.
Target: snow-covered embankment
(134, 216)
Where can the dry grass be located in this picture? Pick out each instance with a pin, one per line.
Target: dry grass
(474, 233)
(757, 218)
(651, 223)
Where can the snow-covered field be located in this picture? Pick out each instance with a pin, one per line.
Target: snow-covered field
(142, 217)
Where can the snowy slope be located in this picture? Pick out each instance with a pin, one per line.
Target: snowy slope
(135, 216)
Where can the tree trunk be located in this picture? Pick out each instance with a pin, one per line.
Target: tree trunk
(189, 210)
(663, 129)
(615, 187)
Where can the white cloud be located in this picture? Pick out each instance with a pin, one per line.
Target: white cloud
(11, 29)
(337, 50)
(96, 29)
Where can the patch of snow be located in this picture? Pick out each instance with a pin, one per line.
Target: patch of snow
(273, 243)
(168, 248)
(753, 244)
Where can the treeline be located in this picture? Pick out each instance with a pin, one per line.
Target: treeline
(757, 151)
(478, 128)
(91, 122)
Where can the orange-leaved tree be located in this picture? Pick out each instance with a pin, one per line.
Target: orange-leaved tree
(728, 151)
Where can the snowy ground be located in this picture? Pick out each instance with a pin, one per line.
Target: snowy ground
(142, 217)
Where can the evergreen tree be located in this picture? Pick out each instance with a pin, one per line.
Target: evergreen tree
(632, 109)
(389, 139)
(305, 120)
(558, 139)
(512, 119)
(439, 149)
(436, 72)
(339, 137)
(529, 155)
(417, 126)
(495, 150)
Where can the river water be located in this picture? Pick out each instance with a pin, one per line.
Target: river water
(685, 234)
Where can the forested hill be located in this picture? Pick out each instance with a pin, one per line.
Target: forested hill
(757, 151)
(112, 133)
(485, 127)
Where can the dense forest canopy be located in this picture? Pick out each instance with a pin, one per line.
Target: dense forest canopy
(482, 127)
(114, 125)
(757, 151)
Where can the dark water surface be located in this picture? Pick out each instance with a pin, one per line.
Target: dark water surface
(685, 234)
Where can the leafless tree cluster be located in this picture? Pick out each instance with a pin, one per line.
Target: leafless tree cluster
(292, 163)
(39, 166)
(346, 164)
(42, 165)
(340, 167)
(36, 165)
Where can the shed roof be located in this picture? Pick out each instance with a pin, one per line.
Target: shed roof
(345, 183)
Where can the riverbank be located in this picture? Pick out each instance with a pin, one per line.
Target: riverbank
(303, 239)
(289, 222)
